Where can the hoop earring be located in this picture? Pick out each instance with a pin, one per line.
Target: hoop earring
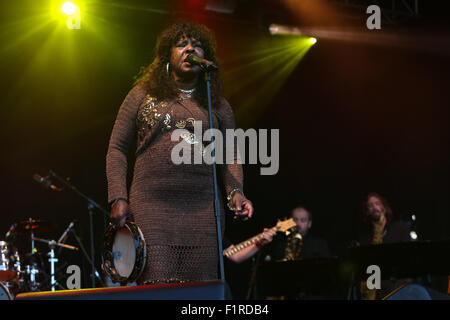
(167, 69)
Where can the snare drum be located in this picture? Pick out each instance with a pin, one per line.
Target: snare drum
(124, 253)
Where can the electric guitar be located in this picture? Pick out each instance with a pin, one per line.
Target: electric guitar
(282, 226)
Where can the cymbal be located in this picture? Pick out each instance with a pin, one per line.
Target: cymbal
(35, 226)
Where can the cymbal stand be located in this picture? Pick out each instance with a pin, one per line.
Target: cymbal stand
(52, 244)
(33, 271)
(52, 261)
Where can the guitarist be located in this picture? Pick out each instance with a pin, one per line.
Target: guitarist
(236, 255)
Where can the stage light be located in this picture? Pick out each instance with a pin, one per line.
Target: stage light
(277, 30)
(284, 30)
(273, 57)
(68, 8)
(71, 12)
(413, 235)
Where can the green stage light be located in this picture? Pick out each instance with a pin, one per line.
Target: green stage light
(312, 40)
(266, 66)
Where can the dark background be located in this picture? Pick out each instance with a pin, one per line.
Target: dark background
(354, 116)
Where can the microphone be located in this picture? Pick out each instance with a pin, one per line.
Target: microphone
(203, 63)
(45, 182)
(63, 237)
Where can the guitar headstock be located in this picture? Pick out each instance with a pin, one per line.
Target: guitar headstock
(285, 225)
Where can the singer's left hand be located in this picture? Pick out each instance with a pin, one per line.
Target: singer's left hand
(243, 208)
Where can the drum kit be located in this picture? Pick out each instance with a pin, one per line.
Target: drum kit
(124, 250)
(26, 272)
(124, 257)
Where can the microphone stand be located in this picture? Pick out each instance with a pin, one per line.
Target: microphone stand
(91, 205)
(216, 194)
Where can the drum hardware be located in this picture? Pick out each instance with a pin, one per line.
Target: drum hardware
(91, 205)
(27, 274)
(125, 253)
(33, 274)
(52, 258)
(64, 237)
(7, 262)
(22, 273)
(31, 268)
(33, 271)
(11, 273)
(32, 226)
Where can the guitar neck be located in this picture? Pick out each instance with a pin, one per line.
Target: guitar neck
(245, 244)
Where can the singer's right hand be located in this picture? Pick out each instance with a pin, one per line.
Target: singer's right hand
(119, 213)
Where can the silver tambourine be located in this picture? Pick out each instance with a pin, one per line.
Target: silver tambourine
(124, 253)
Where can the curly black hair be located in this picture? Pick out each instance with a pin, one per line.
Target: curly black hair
(158, 82)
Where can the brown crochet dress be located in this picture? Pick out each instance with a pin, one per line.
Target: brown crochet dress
(172, 204)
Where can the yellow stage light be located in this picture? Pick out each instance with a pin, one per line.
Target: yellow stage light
(312, 40)
(68, 8)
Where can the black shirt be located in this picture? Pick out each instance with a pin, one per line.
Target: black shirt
(313, 247)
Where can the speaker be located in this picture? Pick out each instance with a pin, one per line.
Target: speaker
(415, 292)
(207, 290)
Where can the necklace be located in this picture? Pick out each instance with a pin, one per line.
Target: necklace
(188, 93)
